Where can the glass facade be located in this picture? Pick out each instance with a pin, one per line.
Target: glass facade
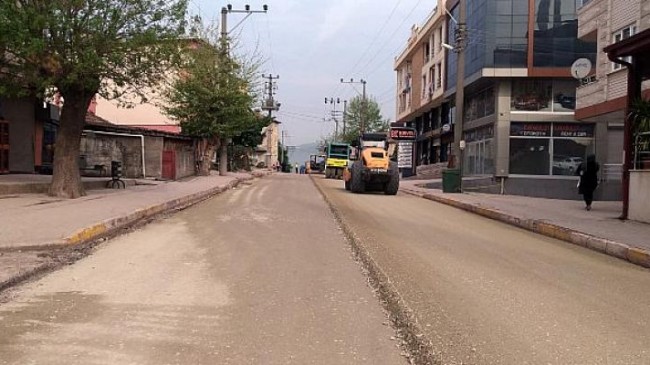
(556, 33)
(543, 95)
(549, 148)
(478, 157)
(498, 36)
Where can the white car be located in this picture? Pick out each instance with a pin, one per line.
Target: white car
(569, 163)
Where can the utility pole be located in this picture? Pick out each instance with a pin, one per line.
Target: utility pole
(271, 86)
(459, 48)
(223, 153)
(345, 112)
(270, 105)
(364, 103)
(334, 114)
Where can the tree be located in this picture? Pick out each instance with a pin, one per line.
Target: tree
(374, 121)
(81, 48)
(213, 99)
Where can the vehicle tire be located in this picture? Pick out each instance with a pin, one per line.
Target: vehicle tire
(392, 186)
(328, 173)
(357, 185)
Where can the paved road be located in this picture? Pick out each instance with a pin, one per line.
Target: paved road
(258, 275)
(488, 293)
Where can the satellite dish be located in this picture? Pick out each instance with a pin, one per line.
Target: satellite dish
(581, 68)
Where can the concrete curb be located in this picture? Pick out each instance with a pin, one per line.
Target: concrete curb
(111, 226)
(107, 227)
(635, 255)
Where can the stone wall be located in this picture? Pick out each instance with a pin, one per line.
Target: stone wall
(101, 149)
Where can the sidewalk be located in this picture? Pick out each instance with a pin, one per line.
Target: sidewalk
(37, 221)
(567, 220)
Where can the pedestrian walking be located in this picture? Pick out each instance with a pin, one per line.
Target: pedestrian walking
(588, 172)
(296, 167)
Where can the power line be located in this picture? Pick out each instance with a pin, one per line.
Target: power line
(372, 43)
(393, 34)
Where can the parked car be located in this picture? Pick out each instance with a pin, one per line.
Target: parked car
(568, 163)
(568, 102)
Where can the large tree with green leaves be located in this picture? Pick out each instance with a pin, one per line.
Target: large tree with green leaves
(213, 100)
(371, 115)
(81, 48)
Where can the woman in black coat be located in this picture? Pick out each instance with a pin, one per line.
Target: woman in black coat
(588, 172)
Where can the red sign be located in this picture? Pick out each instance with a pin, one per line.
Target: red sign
(402, 133)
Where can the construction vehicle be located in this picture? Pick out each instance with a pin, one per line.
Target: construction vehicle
(372, 169)
(316, 164)
(338, 157)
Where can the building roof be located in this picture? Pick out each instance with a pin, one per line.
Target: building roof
(97, 123)
(168, 128)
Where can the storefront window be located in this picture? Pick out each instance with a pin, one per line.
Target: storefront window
(543, 95)
(571, 145)
(478, 157)
(533, 144)
(529, 156)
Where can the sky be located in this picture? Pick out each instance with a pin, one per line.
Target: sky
(312, 44)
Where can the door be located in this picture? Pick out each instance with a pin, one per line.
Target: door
(169, 165)
(4, 147)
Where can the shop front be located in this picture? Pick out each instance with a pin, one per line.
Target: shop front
(544, 157)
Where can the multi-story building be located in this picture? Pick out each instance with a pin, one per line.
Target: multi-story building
(420, 87)
(602, 98)
(621, 28)
(518, 116)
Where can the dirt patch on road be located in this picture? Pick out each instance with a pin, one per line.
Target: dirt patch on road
(420, 349)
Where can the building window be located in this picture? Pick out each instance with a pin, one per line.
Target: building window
(543, 95)
(479, 105)
(549, 148)
(478, 157)
(622, 34)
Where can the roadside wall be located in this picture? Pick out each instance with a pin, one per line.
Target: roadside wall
(98, 149)
(21, 116)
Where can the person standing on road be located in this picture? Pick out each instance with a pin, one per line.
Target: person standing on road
(588, 172)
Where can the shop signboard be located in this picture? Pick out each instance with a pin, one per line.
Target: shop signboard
(573, 130)
(405, 154)
(530, 129)
(402, 134)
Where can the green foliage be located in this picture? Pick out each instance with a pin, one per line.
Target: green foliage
(640, 116)
(114, 47)
(213, 97)
(252, 135)
(374, 121)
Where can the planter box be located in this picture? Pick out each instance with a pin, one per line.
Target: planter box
(640, 196)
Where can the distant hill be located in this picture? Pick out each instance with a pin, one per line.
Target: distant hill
(301, 153)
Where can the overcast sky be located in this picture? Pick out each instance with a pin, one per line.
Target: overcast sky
(312, 44)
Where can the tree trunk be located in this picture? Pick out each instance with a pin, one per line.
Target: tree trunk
(223, 157)
(66, 179)
(207, 152)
